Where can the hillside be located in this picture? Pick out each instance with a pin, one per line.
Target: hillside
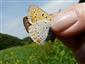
(7, 41)
(50, 53)
(25, 51)
(28, 40)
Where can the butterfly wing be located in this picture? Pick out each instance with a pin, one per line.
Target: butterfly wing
(39, 31)
(36, 14)
(38, 24)
(26, 23)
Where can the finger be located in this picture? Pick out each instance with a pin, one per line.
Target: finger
(79, 26)
(74, 29)
(63, 21)
(53, 15)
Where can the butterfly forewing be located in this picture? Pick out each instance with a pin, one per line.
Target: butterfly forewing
(36, 14)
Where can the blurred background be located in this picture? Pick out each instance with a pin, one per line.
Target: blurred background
(15, 45)
(13, 11)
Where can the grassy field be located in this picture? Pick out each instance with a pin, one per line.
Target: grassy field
(50, 53)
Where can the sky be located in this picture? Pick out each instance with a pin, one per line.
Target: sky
(13, 11)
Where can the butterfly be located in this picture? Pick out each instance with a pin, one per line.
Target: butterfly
(37, 24)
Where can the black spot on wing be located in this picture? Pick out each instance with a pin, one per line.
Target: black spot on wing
(46, 17)
(43, 14)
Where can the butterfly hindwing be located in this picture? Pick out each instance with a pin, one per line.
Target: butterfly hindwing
(39, 31)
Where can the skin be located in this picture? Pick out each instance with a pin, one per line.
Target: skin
(69, 27)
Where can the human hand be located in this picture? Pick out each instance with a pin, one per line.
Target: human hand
(69, 27)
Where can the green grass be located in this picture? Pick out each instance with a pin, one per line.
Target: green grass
(50, 53)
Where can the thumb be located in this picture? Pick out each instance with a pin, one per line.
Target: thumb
(68, 22)
(63, 21)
